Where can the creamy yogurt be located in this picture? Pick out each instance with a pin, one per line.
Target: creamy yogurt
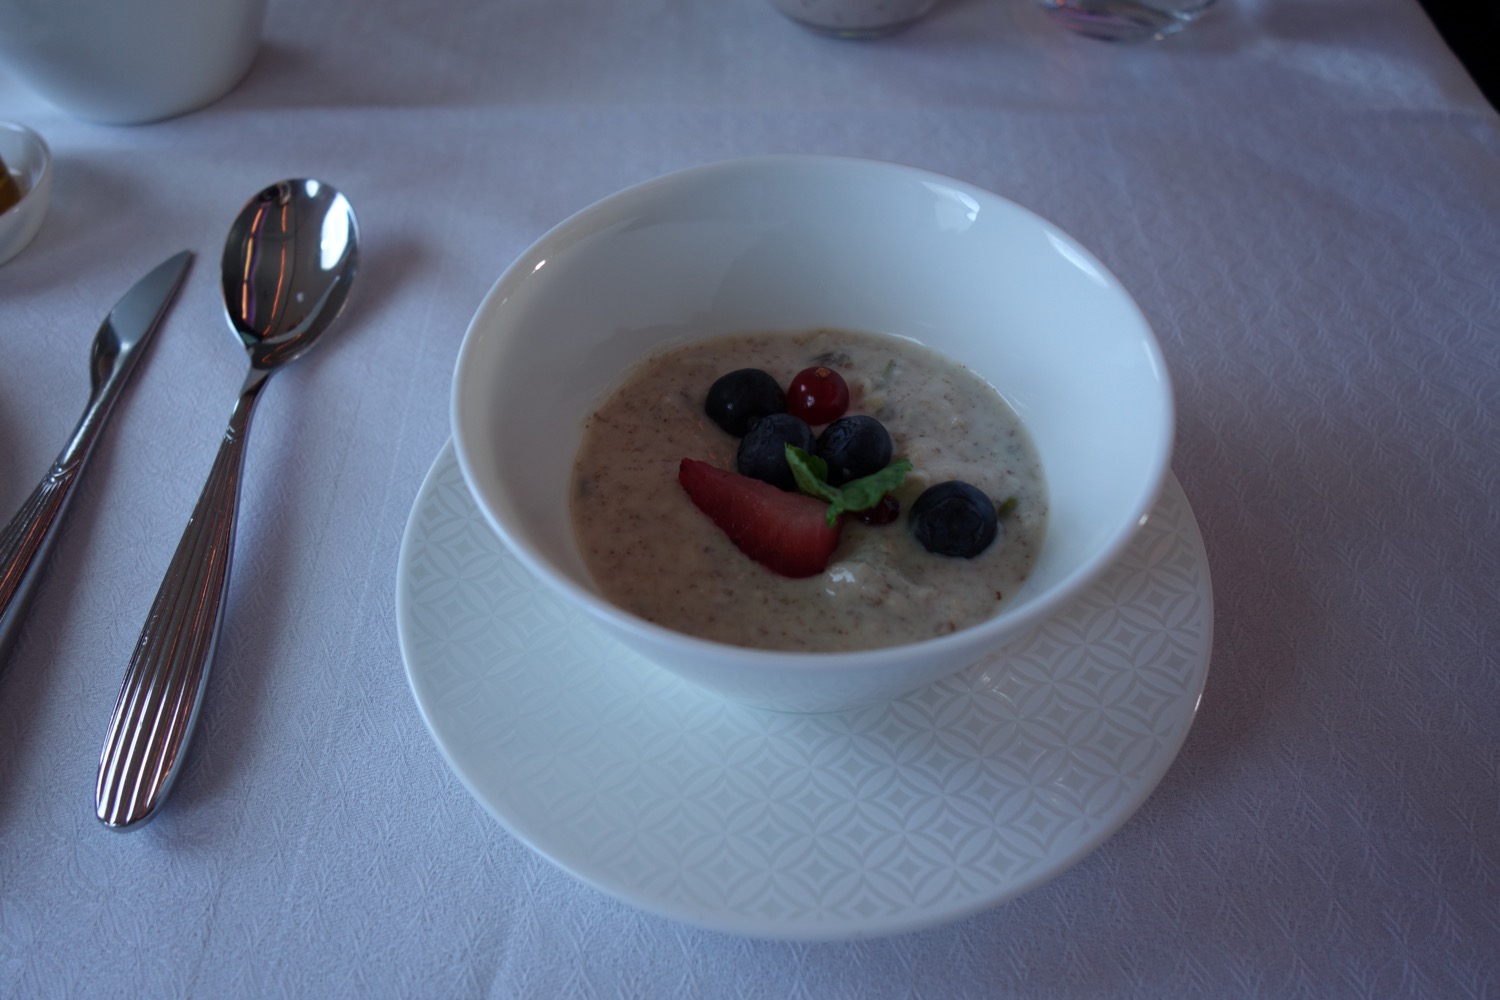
(653, 553)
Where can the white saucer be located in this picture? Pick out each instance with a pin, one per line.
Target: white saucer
(870, 822)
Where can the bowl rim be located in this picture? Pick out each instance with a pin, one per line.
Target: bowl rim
(35, 178)
(971, 640)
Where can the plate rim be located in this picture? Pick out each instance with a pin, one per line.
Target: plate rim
(738, 923)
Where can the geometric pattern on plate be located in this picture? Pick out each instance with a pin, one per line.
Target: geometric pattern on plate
(878, 820)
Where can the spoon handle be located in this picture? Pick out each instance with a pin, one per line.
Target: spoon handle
(158, 703)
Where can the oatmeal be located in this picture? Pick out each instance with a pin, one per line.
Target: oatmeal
(655, 554)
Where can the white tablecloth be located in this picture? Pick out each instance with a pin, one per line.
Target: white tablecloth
(1303, 196)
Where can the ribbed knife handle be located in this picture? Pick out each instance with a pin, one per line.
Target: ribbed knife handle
(24, 542)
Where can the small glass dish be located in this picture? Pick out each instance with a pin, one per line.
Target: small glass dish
(854, 18)
(29, 163)
(1125, 20)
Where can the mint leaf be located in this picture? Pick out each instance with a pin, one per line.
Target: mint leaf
(811, 473)
(864, 493)
(1007, 507)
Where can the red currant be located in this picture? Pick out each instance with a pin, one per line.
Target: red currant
(884, 512)
(818, 395)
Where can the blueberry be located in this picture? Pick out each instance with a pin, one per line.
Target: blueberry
(762, 453)
(854, 447)
(954, 519)
(739, 399)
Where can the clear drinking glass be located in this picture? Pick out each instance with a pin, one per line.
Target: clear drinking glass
(1125, 20)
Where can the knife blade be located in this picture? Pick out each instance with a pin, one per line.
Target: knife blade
(117, 349)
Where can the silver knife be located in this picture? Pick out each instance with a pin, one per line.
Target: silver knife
(122, 338)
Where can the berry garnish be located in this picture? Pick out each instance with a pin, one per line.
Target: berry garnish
(762, 451)
(854, 447)
(856, 495)
(818, 395)
(884, 512)
(735, 401)
(785, 532)
(954, 519)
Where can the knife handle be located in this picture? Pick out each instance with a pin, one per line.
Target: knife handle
(24, 544)
(116, 350)
(164, 683)
(28, 537)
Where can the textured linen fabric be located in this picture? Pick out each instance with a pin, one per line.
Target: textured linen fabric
(1302, 195)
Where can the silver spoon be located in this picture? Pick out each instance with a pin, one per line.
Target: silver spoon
(288, 263)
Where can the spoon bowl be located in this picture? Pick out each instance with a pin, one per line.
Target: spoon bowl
(289, 263)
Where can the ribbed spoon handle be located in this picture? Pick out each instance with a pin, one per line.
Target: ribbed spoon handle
(163, 689)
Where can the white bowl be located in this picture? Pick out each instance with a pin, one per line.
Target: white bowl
(126, 63)
(25, 154)
(793, 243)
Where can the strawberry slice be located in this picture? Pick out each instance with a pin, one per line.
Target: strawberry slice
(787, 533)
